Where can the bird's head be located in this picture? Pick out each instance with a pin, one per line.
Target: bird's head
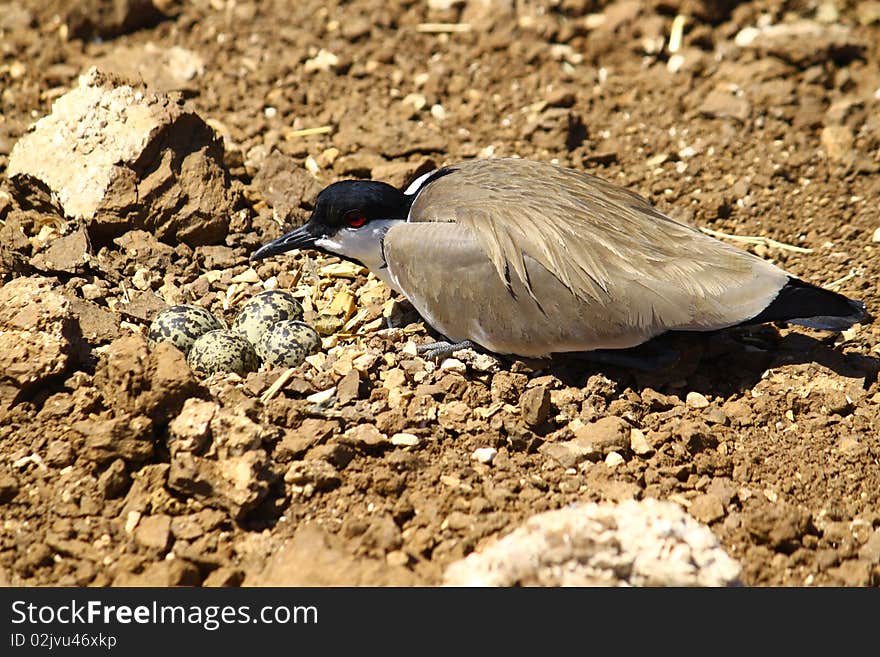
(349, 220)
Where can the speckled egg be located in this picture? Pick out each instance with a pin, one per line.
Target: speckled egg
(263, 310)
(182, 326)
(223, 351)
(288, 343)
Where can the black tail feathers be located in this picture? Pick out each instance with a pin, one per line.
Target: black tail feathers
(808, 305)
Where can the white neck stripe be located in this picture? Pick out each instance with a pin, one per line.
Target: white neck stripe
(416, 185)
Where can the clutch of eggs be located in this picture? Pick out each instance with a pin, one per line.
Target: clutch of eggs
(268, 327)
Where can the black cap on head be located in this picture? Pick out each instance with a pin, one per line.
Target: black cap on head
(349, 203)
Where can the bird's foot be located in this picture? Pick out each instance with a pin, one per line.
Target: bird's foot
(442, 349)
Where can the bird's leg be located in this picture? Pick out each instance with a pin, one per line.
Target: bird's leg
(442, 349)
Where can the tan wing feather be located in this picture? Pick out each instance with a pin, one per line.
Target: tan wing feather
(601, 241)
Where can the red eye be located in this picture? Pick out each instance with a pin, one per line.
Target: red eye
(355, 218)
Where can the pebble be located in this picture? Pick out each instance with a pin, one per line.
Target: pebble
(453, 365)
(613, 459)
(405, 440)
(485, 455)
(322, 397)
(696, 400)
(876, 236)
(639, 444)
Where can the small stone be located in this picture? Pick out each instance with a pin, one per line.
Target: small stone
(876, 236)
(364, 435)
(453, 365)
(348, 388)
(535, 405)
(605, 435)
(315, 472)
(322, 397)
(485, 455)
(405, 440)
(114, 480)
(696, 400)
(8, 487)
(131, 521)
(59, 454)
(870, 551)
(153, 532)
(614, 459)
(639, 444)
(726, 103)
(838, 141)
(191, 429)
(706, 508)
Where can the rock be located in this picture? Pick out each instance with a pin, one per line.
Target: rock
(88, 160)
(235, 484)
(316, 474)
(838, 141)
(38, 337)
(224, 576)
(125, 437)
(154, 532)
(485, 455)
(114, 480)
(605, 435)
(97, 324)
(568, 454)
(69, 253)
(706, 508)
(614, 459)
(639, 444)
(725, 102)
(59, 454)
(405, 440)
(162, 574)
(315, 558)
(364, 436)
(535, 405)
(162, 69)
(868, 12)
(780, 525)
(803, 42)
(108, 18)
(696, 400)
(634, 543)
(190, 431)
(285, 185)
(8, 486)
(152, 382)
(869, 552)
(234, 434)
(348, 388)
(295, 442)
(852, 573)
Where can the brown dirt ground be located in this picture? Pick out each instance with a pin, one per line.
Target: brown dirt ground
(778, 139)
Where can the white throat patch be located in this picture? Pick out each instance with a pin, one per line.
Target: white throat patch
(364, 245)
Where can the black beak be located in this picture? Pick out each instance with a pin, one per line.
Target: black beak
(301, 238)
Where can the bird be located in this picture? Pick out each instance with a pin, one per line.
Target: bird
(525, 258)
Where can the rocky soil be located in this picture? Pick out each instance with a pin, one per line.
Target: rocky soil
(175, 137)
